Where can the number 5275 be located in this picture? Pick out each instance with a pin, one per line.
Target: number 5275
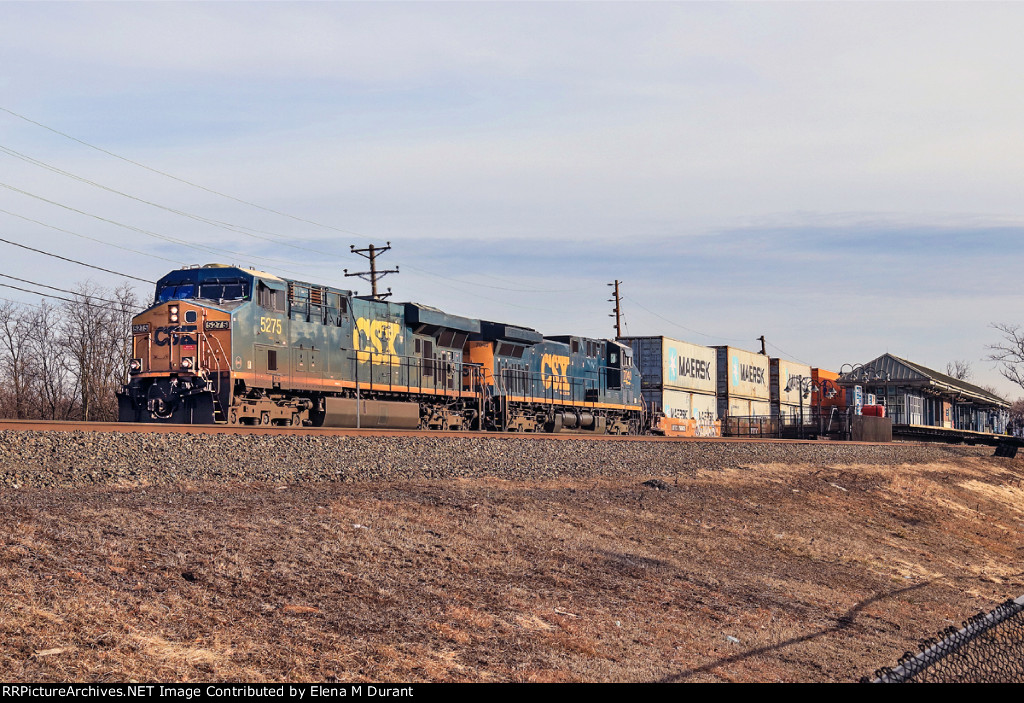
(270, 325)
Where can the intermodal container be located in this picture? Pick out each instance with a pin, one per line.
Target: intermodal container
(821, 395)
(667, 363)
(742, 383)
(683, 405)
(797, 378)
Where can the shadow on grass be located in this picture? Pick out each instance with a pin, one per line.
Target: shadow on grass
(842, 622)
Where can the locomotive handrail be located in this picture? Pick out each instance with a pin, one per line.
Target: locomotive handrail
(411, 363)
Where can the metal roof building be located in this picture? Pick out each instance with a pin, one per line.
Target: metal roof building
(917, 395)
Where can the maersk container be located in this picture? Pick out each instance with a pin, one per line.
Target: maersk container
(797, 377)
(793, 413)
(742, 374)
(683, 405)
(667, 363)
(743, 407)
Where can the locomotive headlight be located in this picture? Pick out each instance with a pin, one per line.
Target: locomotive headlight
(174, 313)
(188, 363)
(135, 366)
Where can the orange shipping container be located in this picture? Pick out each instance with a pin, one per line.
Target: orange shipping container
(839, 401)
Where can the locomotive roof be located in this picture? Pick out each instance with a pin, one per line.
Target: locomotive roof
(208, 271)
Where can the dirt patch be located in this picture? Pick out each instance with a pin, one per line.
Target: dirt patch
(770, 572)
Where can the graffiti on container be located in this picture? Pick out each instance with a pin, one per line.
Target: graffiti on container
(706, 424)
(554, 367)
(374, 341)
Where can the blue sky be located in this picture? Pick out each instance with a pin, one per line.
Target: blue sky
(842, 178)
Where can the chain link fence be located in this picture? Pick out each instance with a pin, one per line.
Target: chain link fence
(988, 649)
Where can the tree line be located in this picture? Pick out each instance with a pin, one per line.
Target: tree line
(65, 360)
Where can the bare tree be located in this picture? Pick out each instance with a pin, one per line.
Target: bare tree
(55, 387)
(960, 369)
(1009, 352)
(66, 361)
(18, 372)
(96, 331)
(1016, 423)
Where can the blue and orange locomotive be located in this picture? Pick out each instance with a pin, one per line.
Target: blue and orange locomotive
(230, 345)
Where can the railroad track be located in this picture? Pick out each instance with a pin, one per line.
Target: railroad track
(129, 427)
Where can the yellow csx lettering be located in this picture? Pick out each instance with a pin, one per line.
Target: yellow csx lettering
(270, 325)
(374, 341)
(555, 369)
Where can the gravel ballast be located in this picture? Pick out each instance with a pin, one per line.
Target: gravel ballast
(63, 459)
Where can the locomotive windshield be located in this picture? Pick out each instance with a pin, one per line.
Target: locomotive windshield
(210, 289)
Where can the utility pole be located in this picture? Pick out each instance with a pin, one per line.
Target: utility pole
(764, 352)
(371, 253)
(617, 310)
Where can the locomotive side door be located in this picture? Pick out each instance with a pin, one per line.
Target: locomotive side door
(614, 369)
(271, 366)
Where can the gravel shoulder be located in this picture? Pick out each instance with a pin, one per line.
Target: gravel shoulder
(221, 558)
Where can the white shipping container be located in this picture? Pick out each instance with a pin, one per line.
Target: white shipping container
(743, 407)
(782, 374)
(742, 374)
(670, 363)
(792, 412)
(683, 405)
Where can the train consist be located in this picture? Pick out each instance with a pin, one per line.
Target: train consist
(223, 344)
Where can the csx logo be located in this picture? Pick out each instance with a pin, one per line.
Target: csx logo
(373, 339)
(174, 335)
(555, 370)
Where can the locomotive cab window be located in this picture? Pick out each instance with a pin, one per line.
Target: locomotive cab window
(176, 290)
(224, 289)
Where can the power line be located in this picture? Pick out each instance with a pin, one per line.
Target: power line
(783, 351)
(487, 285)
(688, 329)
(92, 239)
(176, 178)
(74, 261)
(67, 300)
(64, 290)
(238, 229)
(164, 237)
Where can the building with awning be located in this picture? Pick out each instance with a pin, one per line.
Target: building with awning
(917, 395)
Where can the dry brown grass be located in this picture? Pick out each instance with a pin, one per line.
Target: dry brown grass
(764, 573)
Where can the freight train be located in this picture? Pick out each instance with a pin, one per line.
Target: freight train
(223, 344)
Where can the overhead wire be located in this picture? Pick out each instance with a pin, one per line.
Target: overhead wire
(63, 290)
(92, 239)
(786, 353)
(84, 301)
(176, 178)
(676, 324)
(240, 229)
(486, 285)
(75, 261)
(148, 233)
